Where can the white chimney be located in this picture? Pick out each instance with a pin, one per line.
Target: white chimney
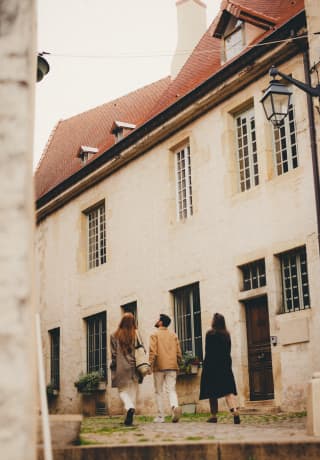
(192, 24)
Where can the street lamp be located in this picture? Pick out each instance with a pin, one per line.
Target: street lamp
(276, 100)
(42, 67)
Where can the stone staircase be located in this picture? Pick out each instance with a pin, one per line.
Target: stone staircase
(260, 407)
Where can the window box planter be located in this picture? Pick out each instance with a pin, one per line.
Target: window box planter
(90, 383)
(102, 386)
(52, 392)
(189, 364)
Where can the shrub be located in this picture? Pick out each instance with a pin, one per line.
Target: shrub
(188, 360)
(88, 383)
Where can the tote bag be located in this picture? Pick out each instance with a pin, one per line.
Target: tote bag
(142, 362)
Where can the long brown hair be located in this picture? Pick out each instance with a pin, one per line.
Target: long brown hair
(126, 333)
(219, 324)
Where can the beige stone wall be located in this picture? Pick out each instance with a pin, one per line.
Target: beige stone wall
(17, 350)
(150, 253)
(313, 23)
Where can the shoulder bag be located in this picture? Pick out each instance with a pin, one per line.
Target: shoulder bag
(142, 362)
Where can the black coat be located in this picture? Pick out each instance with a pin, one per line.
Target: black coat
(217, 378)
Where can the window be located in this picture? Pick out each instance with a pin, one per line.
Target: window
(247, 150)
(254, 275)
(183, 183)
(85, 153)
(285, 144)
(97, 344)
(187, 315)
(120, 128)
(295, 282)
(233, 42)
(96, 225)
(130, 307)
(54, 335)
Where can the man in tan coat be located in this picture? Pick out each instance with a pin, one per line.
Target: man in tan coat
(164, 356)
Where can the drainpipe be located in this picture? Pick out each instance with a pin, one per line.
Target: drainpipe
(313, 144)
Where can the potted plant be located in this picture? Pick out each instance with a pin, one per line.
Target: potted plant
(52, 391)
(88, 383)
(189, 364)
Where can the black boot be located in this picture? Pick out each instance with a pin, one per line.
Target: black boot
(236, 416)
(129, 417)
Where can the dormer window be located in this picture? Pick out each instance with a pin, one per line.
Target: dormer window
(239, 26)
(86, 152)
(119, 129)
(234, 41)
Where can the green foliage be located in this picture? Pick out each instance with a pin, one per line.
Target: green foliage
(88, 383)
(51, 391)
(188, 360)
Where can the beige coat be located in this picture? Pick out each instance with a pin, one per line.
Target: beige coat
(165, 351)
(123, 367)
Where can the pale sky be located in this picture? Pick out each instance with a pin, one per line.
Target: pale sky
(101, 49)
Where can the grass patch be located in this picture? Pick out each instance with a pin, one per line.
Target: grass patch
(110, 425)
(86, 442)
(194, 438)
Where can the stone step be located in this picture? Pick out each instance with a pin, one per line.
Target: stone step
(64, 428)
(260, 407)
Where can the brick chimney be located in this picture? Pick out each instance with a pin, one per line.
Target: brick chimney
(192, 24)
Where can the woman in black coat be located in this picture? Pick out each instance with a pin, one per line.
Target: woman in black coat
(217, 378)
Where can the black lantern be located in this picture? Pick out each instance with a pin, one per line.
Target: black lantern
(276, 101)
(42, 67)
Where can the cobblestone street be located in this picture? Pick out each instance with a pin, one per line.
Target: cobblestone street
(191, 429)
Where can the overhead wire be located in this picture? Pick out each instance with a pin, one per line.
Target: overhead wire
(181, 52)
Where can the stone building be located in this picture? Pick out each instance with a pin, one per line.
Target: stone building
(182, 198)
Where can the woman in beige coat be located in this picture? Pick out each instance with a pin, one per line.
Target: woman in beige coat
(123, 365)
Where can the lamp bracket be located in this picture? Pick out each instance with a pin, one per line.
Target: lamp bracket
(313, 91)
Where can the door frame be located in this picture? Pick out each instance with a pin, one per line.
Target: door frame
(258, 355)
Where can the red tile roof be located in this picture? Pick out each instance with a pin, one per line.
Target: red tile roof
(92, 128)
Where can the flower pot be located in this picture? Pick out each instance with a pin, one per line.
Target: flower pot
(102, 386)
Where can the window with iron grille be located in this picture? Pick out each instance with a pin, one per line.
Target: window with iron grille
(187, 315)
(183, 183)
(285, 144)
(247, 156)
(295, 282)
(253, 275)
(97, 344)
(54, 335)
(96, 233)
(131, 307)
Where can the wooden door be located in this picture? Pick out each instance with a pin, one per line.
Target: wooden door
(259, 349)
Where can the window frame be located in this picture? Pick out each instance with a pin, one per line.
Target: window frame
(131, 307)
(54, 335)
(97, 233)
(183, 174)
(256, 271)
(94, 365)
(230, 53)
(195, 326)
(290, 147)
(302, 278)
(252, 152)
